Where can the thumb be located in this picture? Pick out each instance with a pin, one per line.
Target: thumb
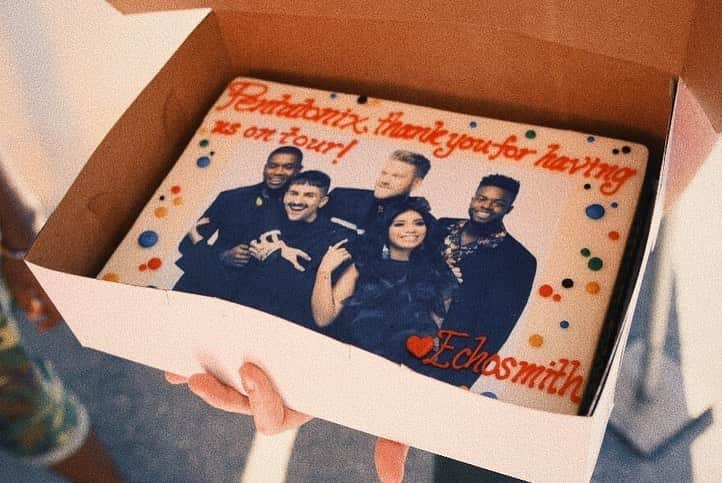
(390, 458)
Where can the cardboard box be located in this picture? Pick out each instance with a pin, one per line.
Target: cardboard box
(608, 69)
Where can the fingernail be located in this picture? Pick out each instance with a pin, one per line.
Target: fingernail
(248, 384)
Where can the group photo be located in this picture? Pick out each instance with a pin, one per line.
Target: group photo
(374, 266)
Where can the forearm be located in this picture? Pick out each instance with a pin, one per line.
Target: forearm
(21, 214)
(323, 305)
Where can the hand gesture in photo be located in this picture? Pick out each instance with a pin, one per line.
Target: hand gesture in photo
(293, 255)
(271, 416)
(455, 269)
(263, 246)
(334, 257)
(238, 256)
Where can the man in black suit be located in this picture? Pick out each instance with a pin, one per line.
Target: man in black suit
(358, 209)
(287, 253)
(495, 273)
(216, 251)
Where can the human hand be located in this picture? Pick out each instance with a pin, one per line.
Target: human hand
(238, 256)
(263, 246)
(292, 255)
(29, 295)
(271, 416)
(455, 269)
(334, 257)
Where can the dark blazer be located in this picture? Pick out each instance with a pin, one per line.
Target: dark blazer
(357, 209)
(496, 286)
(236, 216)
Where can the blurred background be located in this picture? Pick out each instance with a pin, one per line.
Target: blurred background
(70, 69)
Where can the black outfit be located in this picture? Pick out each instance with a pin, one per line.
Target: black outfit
(237, 216)
(358, 209)
(388, 308)
(275, 286)
(497, 273)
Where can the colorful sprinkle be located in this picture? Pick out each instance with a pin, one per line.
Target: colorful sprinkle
(567, 283)
(590, 139)
(614, 204)
(626, 149)
(212, 153)
(593, 288)
(362, 99)
(595, 264)
(594, 211)
(530, 134)
(333, 95)
(203, 143)
(161, 211)
(175, 189)
(203, 162)
(585, 252)
(557, 297)
(178, 201)
(614, 235)
(536, 340)
(489, 394)
(473, 124)
(587, 186)
(111, 277)
(564, 324)
(143, 267)
(376, 102)
(615, 151)
(162, 197)
(148, 238)
(546, 290)
(154, 263)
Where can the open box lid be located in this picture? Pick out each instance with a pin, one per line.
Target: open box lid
(677, 37)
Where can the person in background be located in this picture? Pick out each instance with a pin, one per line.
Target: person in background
(358, 209)
(216, 251)
(40, 421)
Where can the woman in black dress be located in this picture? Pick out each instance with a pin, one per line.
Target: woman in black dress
(397, 286)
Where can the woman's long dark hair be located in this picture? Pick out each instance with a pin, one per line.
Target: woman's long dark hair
(428, 279)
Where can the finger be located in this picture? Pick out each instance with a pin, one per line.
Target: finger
(243, 246)
(390, 458)
(266, 404)
(336, 245)
(269, 413)
(218, 395)
(304, 255)
(174, 378)
(297, 265)
(35, 309)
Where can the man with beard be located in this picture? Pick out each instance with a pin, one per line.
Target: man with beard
(495, 273)
(287, 254)
(358, 209)
(213, 267)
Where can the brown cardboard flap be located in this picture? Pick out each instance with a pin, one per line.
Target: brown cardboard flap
(134, 157)
(652, 33)
(459, 68)
(703, 66)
